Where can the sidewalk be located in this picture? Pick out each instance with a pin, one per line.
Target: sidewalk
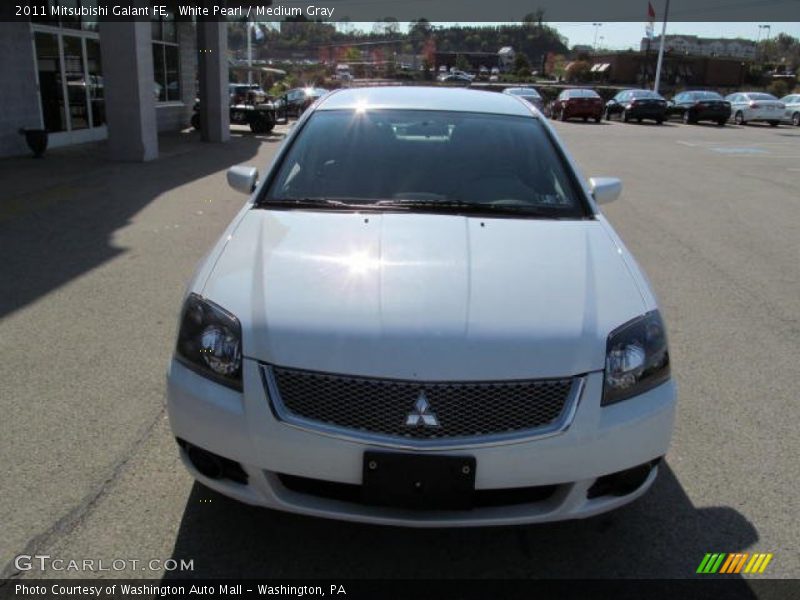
(32, 184)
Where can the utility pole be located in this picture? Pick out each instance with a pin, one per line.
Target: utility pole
(596, 27)
(661, 49)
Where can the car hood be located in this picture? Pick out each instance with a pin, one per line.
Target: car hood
(422, 296)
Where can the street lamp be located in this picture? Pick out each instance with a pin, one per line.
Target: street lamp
(596, 27)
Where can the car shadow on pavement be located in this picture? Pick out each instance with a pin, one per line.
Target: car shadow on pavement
(58, 215)
(662, 535)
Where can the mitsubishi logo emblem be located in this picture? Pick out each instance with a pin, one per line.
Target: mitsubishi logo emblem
(421, 414)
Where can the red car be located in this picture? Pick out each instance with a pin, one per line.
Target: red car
(583, 103)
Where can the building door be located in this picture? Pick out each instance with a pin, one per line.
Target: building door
(70, 76)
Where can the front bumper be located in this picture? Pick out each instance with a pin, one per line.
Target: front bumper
(243, 428)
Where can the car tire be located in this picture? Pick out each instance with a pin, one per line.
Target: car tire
(598, 119)
(796, 119)
(625, 116)
(195, 121)
(738, 118)
(774, 123)
(585, 119)
(659, 121)
(722, 122)
(562, 116)
(607, 115)
(638, 120)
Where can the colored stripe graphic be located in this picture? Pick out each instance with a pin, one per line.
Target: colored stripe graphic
(711, 563)
(758, 563)
(734, 563)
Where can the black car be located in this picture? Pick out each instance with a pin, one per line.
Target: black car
(638, 105)
(700, 106)
(294, 102)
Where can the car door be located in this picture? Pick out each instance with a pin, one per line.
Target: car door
(614, 106)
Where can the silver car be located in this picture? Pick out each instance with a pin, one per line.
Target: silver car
(792, 111)
(755, 106)
(527, 93)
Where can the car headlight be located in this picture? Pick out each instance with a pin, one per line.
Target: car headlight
(637, 358)
(210, 342)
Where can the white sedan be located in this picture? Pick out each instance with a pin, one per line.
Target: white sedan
(792, 112)
(755, 106)
(420, 317)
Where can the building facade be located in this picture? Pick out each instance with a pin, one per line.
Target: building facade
(84, 80)
(697, 46)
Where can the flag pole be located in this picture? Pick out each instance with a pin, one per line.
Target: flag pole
(661, 49)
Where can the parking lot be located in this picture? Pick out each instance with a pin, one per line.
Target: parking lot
(95, 259)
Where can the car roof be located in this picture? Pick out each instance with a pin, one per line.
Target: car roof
(426, 98)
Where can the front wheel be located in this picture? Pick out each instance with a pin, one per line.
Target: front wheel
(625, 116)
(562, 116)
(796, 119)
(738, 118)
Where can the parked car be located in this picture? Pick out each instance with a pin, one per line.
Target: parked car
(696, 106)
(458, 339)
(244, 93)
(295, 101)
(637, 105)
(528, 94)
(261, 117)
(792, 112)
(455, 78)
(581, 103)
(756, 106)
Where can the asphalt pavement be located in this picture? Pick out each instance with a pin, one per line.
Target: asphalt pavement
(96, 256)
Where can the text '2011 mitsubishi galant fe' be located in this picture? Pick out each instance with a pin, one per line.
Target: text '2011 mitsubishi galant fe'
(420, 317)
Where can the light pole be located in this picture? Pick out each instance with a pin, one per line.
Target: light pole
(596, 28)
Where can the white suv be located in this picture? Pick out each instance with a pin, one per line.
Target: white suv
(420, 317)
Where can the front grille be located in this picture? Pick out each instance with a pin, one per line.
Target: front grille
(408, 410)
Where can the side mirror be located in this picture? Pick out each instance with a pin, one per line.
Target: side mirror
(605, 189)
(243, 178)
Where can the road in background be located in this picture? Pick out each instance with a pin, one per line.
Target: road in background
(712, 214)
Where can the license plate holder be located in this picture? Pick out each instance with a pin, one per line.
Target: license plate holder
(417, 481)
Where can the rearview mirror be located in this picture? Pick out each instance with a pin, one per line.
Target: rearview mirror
(243, 178)
(605, 189)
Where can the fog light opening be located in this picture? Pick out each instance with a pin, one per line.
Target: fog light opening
(622, 483)
(205, 462)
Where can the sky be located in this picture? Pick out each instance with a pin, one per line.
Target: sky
(619, 36)
(622, 35)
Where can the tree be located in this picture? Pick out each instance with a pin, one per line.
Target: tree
(522, 65)
(534, 19)
(462, 64)
(578, 71)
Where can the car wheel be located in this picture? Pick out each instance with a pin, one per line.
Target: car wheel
(721, 122)
(796, 119)
(585, 119)
(738, 118)
(625, 116)
(597, 119)
(659, 121)
(638, 120)
(774, 123)
(562, 115)
(195, 121)
(608, 115)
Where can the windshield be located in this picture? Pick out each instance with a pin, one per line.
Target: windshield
(761, 97)
(524, 92)
(427, 160)
(645, 94)
(706, 96)
(582, 94)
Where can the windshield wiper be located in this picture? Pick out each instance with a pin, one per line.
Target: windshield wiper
(311, 203)
(468, 207)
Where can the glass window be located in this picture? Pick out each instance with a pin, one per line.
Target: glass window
(95, 83)
(428, 157)
(76, 82)
(166, 58)
(51, 89)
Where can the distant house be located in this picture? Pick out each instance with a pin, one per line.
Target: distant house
(505, 58)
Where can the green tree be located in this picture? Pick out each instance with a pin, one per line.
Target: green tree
(462, 64)
(522, 65)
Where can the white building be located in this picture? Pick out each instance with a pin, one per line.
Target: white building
(697, 46)
(505, 57)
